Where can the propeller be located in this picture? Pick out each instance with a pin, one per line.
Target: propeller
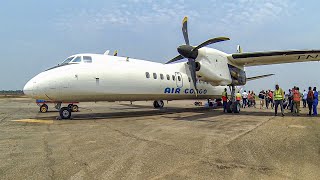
(191, 52)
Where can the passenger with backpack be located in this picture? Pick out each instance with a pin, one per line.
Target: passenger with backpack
(310, 100)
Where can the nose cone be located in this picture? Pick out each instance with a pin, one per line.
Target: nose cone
(187, 51)
(28, 89)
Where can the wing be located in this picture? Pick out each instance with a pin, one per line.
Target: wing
(274, 57)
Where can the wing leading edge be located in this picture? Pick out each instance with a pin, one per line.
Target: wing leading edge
(274, 57)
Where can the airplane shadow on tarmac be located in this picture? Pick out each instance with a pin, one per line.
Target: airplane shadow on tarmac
(204, 113)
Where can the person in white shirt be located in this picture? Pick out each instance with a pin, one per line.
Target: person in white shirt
(304, 98)
(244, 99)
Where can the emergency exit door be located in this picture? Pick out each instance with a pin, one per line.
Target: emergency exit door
(179, 79)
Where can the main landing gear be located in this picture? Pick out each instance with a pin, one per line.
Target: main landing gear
(233, 106)
(158, 104)
(65, 112)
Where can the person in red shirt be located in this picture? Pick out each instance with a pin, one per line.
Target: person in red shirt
(225, 99)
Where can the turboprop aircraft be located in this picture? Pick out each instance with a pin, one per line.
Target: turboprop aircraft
(208, 71)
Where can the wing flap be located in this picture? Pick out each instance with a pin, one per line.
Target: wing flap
(274, 57)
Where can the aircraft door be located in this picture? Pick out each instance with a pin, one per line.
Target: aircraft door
(179, 79)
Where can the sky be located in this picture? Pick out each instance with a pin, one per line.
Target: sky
(36, 35)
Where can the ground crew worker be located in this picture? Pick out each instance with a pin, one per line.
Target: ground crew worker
(296, 101)
(310, 100)
(315, 101)
(238, 97)
(225, 99)
(278, 100)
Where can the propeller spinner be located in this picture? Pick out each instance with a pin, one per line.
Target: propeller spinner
(191, 52)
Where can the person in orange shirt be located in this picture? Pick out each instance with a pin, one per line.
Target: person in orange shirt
(296, 101)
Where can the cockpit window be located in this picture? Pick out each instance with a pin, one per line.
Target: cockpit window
(67, 60)
(87, 59)
(77, 59)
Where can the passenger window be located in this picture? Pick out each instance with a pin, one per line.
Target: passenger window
(77, 59)
(179, 78)
(87, 59)
(168, 77)
(173, 78)
(147, 75)
(161, 76)
(154, 75)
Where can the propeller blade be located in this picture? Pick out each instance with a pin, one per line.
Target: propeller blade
(185, 30)
(211, 41)
(192, 68)
(177, 58)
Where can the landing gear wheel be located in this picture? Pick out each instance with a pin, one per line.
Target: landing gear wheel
(158, 104)
(70, 106)
(75, 108)
(229, 107)
(65, 113)
(236, 107)
(44, 108)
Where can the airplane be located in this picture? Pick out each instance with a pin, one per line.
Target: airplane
(205, 75)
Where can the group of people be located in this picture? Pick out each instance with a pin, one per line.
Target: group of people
(277, 98)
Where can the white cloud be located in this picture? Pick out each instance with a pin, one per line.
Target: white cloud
(223, 14)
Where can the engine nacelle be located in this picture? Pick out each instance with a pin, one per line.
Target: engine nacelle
(209, 72)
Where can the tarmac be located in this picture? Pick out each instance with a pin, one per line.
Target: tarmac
(181, 141)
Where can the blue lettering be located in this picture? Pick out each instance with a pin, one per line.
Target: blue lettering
(167, 90)
(205, 91)
(172, 91)
(191, 91)
(186, 91)
(177, 91)
(200, 91)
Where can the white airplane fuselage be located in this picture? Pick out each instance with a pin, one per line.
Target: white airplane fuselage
(111, 78)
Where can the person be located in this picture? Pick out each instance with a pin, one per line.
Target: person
(290, 95)
(261, 97)
(249, 99)
(296, 101)
(271, 98)
(278, 100)
(315, 101)
(225, 99)
(310, 100)
(267, 99)
(244, 99)
(304, 98)
(253, 99)
(238, 97)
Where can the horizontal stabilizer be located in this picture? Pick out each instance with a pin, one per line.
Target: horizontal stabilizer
(259, 77)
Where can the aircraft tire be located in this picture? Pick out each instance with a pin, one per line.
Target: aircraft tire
(70, 106)
(229, 107)
(236, 107)
(44, 108)
(156, 104)
(75, 108)
(65, 113)
(161, 104)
